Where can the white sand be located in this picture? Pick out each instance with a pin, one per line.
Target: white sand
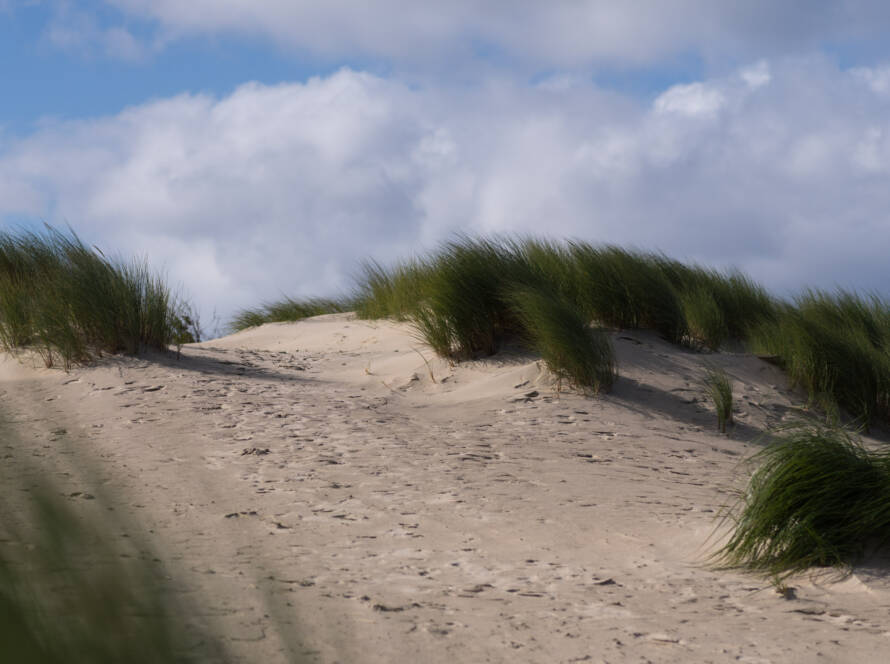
(478, 518)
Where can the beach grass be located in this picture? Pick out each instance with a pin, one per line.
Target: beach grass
(719, 389)
(705, 320)
(288, 310)
(458, 296)
(460, 299)
(67, 595)
(627, 290)
(70, 303)
(574, 351)
(835, 346)
(817, 498)
(390, 292)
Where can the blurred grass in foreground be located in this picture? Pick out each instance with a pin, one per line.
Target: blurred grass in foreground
(67, 595)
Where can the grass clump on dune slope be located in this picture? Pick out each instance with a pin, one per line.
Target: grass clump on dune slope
(573, 350)
(836, 347)
(461, 300)
(459, 296)
(464, 308)
(287, 310)
(627, 290)
(70, 303)
(390, 293)
(717, 306)
(817, 498)
(719, 389)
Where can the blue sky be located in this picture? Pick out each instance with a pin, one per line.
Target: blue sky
(254, 149)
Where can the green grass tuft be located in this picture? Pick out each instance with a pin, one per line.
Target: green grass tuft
(574, 352)
(720, 390)
(705, 320)
(391, 293)
(836, 348)
(70, 303)
(625, 289)
(817, 498)
(460, 301)
(288, 310)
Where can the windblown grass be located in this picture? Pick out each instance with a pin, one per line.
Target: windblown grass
(67, 595)
(717, 306)
(720, 390)
(459, 296)
(464, 307)
(573, 350)
(835, 347)
(705, 320)
(627, 290)
(817, 498)
(70, 303)
(461, 301)
(391, 293)
(288, 310)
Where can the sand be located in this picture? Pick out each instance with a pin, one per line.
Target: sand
(329, 490)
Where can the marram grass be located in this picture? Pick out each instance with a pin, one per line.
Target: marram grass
(70, 303)
(705, 321)
(459, 298)
(288, 310)
(817, 498)
(573, 350)
(719, 389)
(836, 347)
(68, 596)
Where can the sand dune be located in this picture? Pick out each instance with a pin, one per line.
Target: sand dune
(330, 489)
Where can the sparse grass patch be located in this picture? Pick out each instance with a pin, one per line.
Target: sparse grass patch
(289, 310)
(817, 498)
(720, 390)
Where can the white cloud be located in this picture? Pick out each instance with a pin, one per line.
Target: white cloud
(877, 78)
(283, 189)
(756, 75)
(81, 33)
(561, 33)
(694, 99)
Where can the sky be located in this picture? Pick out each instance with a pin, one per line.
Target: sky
(254, 149)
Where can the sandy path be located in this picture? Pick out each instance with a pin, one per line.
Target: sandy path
(311, 492)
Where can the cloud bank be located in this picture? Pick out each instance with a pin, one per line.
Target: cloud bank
(779, 168)
(557, 33)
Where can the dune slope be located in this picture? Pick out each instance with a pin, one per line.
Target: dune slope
(329, 491)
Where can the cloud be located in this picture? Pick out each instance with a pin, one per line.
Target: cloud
(284, 189)
(560, 33)
(695, 99)
(756, 75)
(81, 33)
